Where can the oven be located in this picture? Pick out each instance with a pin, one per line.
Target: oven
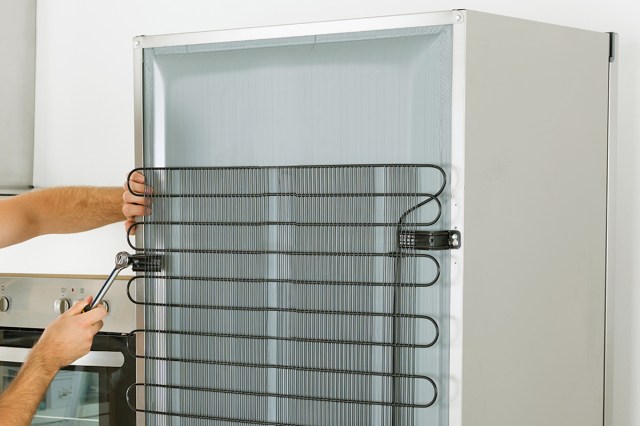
(91, 391)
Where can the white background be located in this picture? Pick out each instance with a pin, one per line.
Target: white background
(84, 119)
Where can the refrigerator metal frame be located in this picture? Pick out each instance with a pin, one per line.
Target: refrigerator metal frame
(454, 17)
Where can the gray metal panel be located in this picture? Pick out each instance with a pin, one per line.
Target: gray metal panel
(372, 98)
(17, 92)
(535, 223)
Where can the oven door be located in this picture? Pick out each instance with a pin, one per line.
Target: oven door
(92, 391)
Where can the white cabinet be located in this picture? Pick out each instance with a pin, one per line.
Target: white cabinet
(17, 94)
(282, 160)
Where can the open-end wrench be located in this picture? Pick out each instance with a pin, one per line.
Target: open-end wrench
(123, 260)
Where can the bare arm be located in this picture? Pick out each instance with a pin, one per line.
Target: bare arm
(58, 211)
(66, 339)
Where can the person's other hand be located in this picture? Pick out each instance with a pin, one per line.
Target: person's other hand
(135, 205)
(69, 336)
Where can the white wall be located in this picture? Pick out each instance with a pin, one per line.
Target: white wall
(84, 117)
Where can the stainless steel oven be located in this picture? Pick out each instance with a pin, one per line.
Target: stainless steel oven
(91, 391)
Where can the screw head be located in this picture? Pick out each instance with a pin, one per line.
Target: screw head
(122, 259)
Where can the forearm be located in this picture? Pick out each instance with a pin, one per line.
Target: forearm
(75, 209)
(19, 402)
(58, 211)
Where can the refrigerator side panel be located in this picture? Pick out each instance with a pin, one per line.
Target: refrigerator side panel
(535, 223)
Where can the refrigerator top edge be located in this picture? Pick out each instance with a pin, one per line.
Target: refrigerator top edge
(419, 19)
(302, 29)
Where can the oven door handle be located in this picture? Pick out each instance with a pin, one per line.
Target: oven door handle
(92, 359)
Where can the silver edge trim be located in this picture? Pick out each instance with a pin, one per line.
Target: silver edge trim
(92, 359)
(138, 84)
(296, 30)
(612, 152)
(458, 106)
(137, 105)
(75, 420)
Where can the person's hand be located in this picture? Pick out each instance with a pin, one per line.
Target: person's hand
(69, 336)
(135, 205)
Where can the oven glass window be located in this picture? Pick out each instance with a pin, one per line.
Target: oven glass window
(77, 395)
(73, 398)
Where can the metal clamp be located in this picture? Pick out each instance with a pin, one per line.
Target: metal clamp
(430, 240)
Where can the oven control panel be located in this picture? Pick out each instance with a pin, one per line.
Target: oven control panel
(35, 301)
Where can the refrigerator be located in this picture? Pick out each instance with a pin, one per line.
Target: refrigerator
(396, 220)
